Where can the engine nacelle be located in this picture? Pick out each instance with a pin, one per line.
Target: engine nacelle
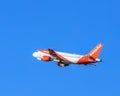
(46, 58)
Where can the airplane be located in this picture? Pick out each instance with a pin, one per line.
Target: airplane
(65, 59)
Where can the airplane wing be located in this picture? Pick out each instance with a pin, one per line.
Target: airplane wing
(62, 60)
(54, 54)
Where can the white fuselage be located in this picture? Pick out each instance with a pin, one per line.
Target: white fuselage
(73, 58)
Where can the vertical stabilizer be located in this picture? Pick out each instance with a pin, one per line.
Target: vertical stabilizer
(96, 51)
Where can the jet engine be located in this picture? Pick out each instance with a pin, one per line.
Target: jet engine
(46, 58)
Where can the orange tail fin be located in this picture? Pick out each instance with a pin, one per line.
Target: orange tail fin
(96, 51)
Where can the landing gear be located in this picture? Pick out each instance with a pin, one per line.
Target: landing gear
(62, 64)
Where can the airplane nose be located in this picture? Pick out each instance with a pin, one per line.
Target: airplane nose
(34, 54)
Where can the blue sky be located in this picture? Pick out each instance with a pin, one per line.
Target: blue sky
(74, 26)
